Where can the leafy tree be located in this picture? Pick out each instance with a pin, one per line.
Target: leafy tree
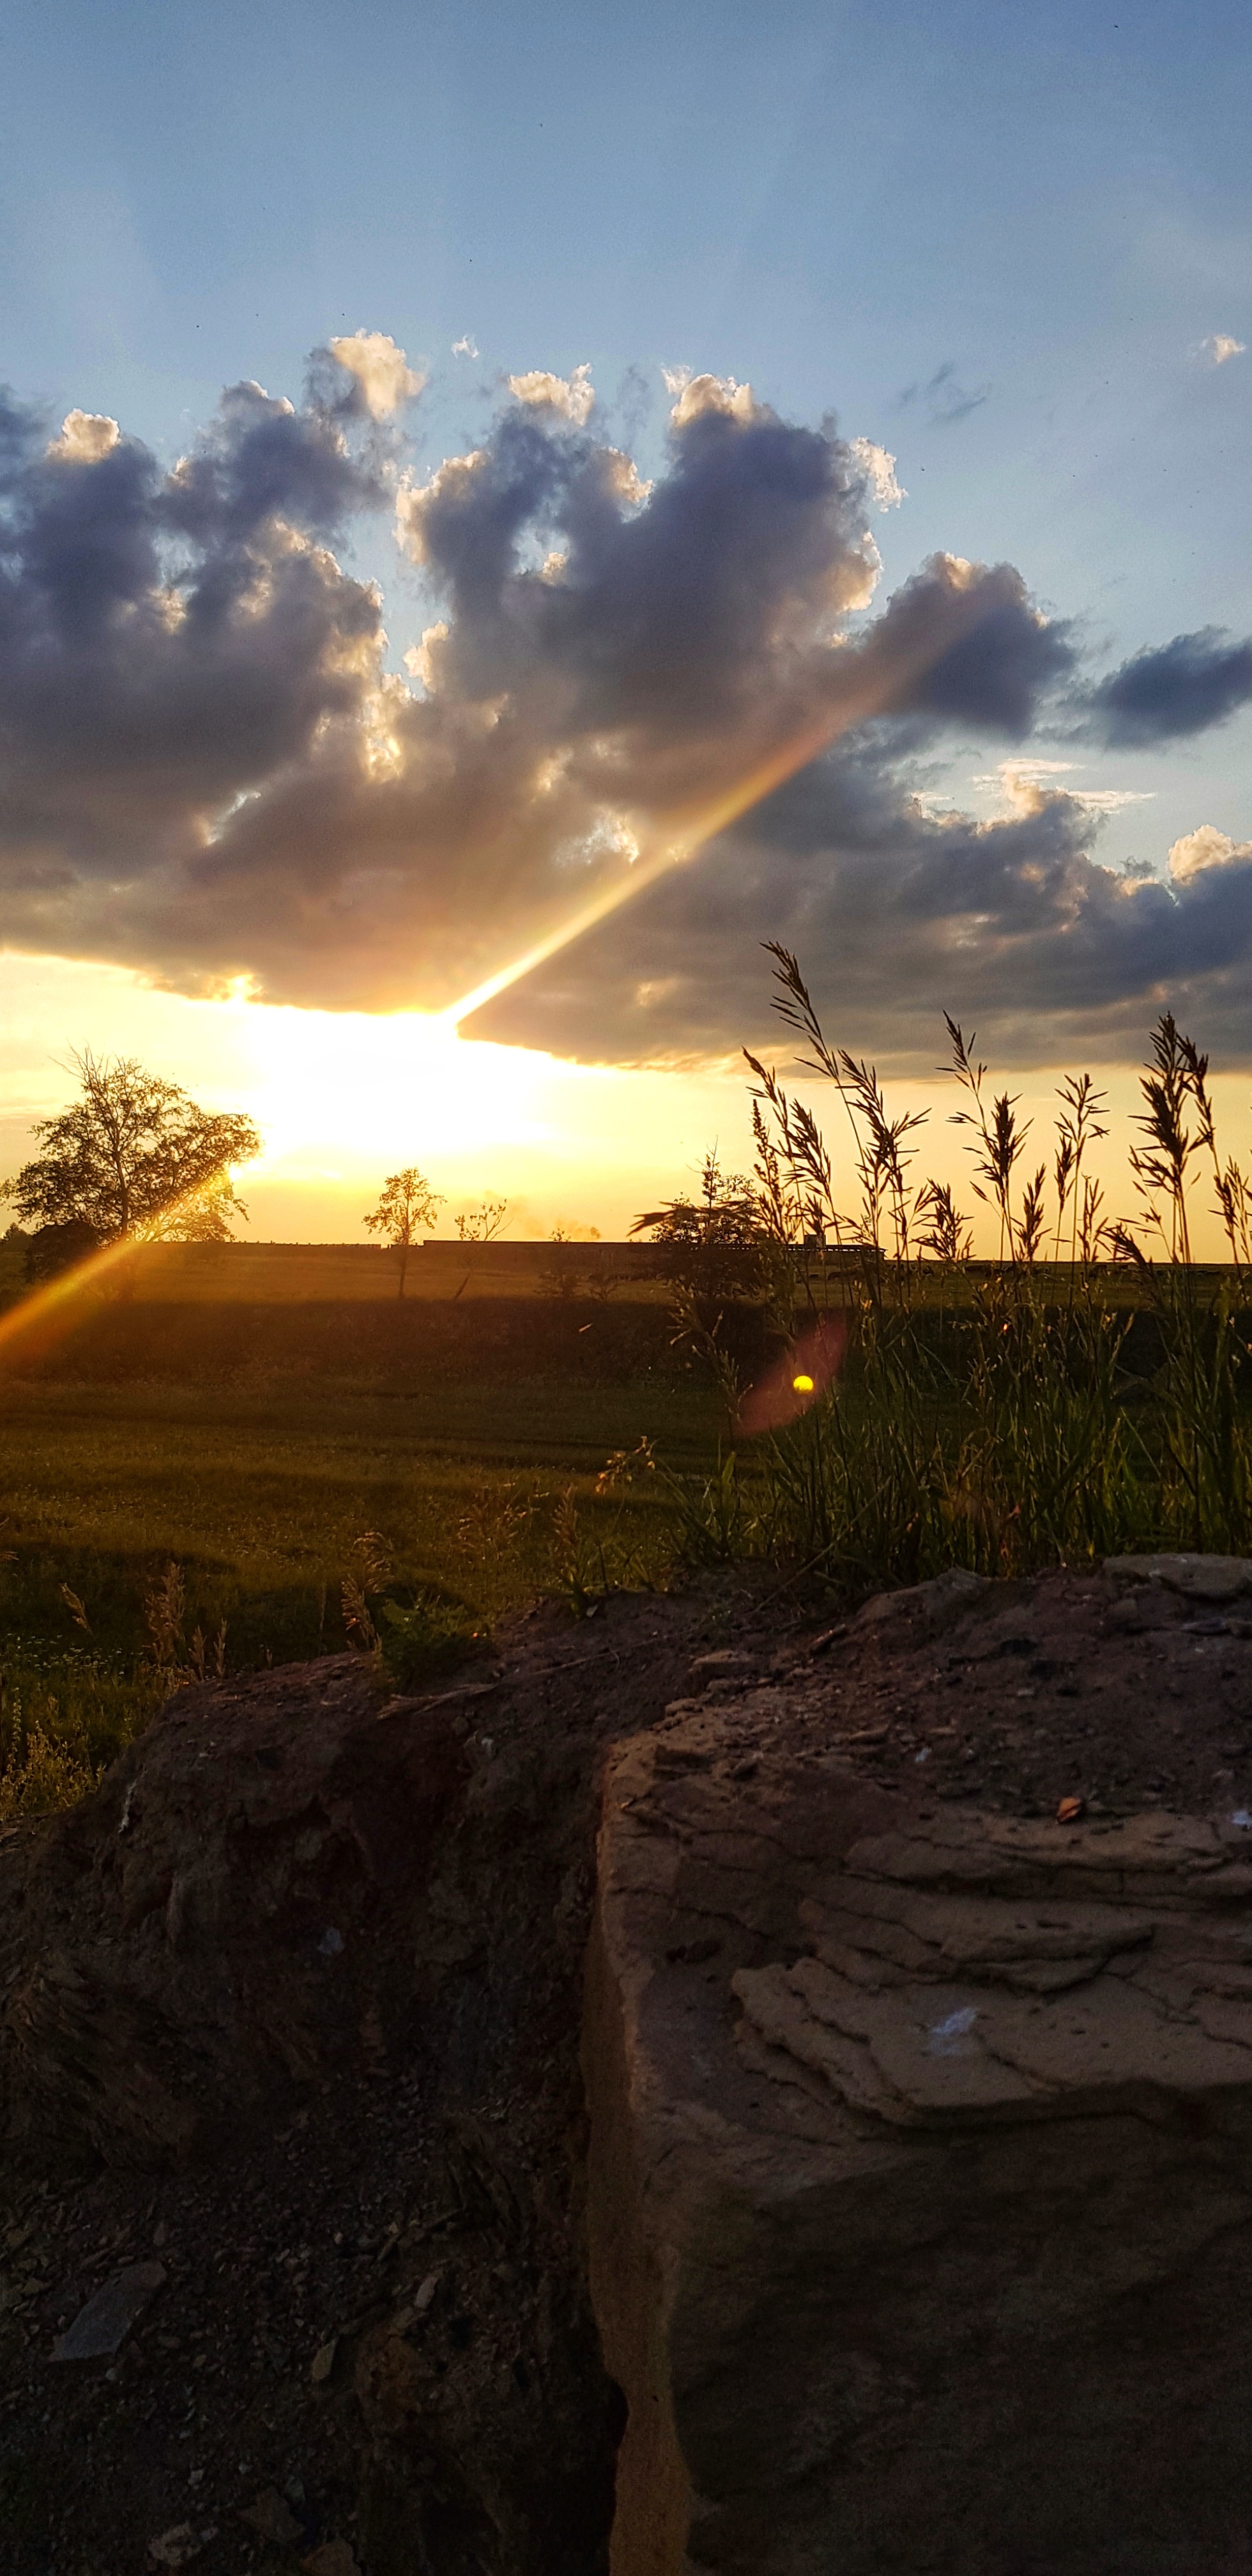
(406, 1207)
(714, 1247)
(134, 1156)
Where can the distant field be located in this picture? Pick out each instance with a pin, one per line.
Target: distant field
(439, 1273)
(335, 1273)
(258, 1465)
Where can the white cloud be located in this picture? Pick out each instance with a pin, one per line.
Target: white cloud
(381, 369)
(700, 394)
(572, 396)
(609, 837)
(624, 478)
(85, 437)
(879, 470)
(1206, 847)
(1221, 345)
(1023, 782)
(421, 659)
(466, 348)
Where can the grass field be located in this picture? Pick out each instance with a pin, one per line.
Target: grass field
(394, 1464)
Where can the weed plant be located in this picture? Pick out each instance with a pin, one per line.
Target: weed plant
(997, 1422)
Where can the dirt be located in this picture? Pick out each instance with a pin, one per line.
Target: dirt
(373, 2347)
(412, 2216)
(1065, 1686)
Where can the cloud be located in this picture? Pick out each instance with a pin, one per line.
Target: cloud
(85, 437)
(879, 470)
(1206, 847)
(572, 397)
(1172, 690)
(1017, 779)
(898, 913)
(380, 369)
(943, 400)
(466, 348)
(695, 397)
(213, 770)
(1219, 347)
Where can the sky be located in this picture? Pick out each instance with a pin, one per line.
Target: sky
(681, 478)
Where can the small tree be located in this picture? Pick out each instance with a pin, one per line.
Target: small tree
(407, 1205)
(483, 1224)
(134, 1156)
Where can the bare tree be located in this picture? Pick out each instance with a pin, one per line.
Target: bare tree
(405, 1208)
(483, 1224)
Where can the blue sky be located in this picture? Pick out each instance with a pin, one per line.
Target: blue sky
(1004, 244)
(838, 203)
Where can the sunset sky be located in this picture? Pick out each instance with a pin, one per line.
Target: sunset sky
(739, 473)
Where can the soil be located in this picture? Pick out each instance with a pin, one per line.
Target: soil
(372, 2348)
(1060, 1687)
(419, 2213)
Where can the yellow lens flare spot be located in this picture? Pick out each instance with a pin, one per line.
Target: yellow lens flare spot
(803, 1384)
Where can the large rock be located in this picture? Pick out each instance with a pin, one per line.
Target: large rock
(921, 2196)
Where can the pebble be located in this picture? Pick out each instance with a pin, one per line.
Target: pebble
(100, 2329)
(272, 2519)
(176, 2547)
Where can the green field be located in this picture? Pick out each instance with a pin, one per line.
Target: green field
(434, 1460)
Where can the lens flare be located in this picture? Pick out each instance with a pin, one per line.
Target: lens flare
(794, 1383)
(37, 1320)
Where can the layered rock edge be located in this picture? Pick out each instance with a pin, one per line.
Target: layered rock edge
(920, 2196)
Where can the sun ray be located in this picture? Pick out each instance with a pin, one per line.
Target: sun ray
(879, 682)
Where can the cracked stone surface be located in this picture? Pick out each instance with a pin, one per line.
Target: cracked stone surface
(921, 2195)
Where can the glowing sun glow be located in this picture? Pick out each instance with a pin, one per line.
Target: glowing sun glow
(388, 1089)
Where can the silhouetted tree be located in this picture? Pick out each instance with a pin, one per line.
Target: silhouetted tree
(133, 1156)
(483, 1224)
(407, 1205)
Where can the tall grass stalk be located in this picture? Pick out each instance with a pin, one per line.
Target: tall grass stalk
(1009, 1423)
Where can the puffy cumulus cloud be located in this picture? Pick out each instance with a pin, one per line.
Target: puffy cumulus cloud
(1220, 347)
(210, 770)
(879, 470)
(571, 397)
(1206, 847)
(987, 665)
(85, 437)
(696, 396)
(381, 370)
(1172, 690)
(169, 643)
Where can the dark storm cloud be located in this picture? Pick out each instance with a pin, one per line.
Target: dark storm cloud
(207, 768)
(1173, 690)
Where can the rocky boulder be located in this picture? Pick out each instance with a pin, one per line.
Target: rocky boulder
(921, 2186)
